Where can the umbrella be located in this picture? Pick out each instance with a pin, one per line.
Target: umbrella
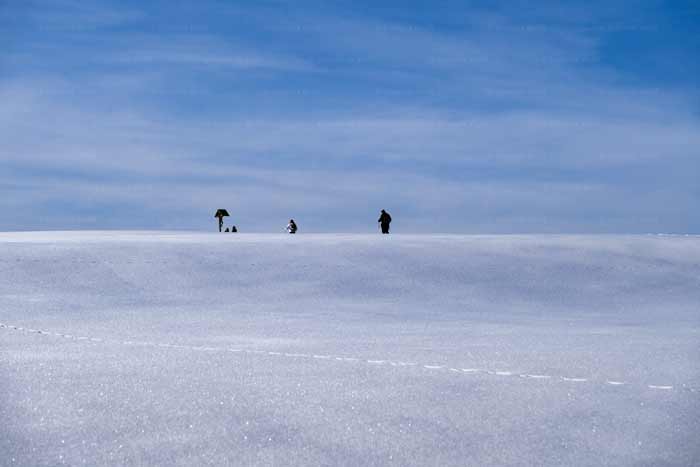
(221, 213)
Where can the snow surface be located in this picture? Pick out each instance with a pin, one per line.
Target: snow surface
(145, 348)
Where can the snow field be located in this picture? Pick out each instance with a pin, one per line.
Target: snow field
(143, 348)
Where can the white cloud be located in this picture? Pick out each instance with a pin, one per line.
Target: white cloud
(558, 148)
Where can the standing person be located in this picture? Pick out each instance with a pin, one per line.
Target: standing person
(292, 227)
(384, 221)
(220, 214)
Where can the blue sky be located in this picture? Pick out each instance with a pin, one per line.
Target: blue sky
(474, 117)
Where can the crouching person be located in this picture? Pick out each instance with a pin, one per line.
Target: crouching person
(292, 227)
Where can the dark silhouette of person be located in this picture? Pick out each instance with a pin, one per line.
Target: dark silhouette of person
(384, 221)
(220, 214)
(292, 227)
(226, 229)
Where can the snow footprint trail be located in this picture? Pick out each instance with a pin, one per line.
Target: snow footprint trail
(338, 358)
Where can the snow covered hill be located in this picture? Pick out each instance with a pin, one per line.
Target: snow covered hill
(145, 348)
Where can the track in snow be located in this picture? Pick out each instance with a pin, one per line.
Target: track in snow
(346, 359)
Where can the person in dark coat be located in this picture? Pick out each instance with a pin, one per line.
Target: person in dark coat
(384, 221)
(220, 214)
(292, 227)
